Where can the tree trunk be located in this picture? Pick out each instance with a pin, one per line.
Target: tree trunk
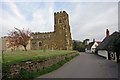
(25, 48)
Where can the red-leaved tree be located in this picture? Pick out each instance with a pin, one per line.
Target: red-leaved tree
(19, 37)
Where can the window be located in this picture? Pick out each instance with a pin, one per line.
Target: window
(60, 21)
(95, 45)
(33, 44)
(40, 44)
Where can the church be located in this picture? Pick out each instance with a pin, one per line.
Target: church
(59, 39)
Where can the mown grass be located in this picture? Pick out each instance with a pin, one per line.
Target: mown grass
(30, 75)
(19, 56)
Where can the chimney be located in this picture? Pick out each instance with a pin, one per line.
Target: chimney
(107, 33)
(93, 40)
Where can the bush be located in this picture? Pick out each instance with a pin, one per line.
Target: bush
(79, 46)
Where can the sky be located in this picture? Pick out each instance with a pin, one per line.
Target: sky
(88, 20)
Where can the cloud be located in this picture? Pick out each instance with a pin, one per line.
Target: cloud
(15, 10)
(43, 19)
(64, 0)
(87, 20)
(11, 18)
(9, 22)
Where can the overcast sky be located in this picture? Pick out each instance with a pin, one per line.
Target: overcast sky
(87, 19)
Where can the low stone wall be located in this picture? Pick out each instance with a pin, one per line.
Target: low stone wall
(13, 70)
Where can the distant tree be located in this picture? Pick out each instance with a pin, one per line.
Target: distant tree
(78, 45)
(19, 37)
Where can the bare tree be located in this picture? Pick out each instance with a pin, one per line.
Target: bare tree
(19, 37)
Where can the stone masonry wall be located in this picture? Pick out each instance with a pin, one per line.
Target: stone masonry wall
(34, 65)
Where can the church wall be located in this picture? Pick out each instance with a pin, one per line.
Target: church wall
(59, 39)
(43, 40)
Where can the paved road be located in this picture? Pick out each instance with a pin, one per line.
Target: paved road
(86, 66)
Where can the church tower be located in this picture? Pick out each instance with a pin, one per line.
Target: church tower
(62, 31)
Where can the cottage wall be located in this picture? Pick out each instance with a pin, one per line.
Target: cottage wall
(103, 53)
(94, 47)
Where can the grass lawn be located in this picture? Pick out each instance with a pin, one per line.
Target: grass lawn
(35, 74)
(19, 56)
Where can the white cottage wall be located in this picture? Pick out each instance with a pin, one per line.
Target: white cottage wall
(103, 53)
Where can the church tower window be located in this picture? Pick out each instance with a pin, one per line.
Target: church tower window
(60, 21)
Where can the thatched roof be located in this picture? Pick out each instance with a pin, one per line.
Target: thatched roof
(109, 42)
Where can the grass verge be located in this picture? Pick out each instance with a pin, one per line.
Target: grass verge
(21, 56)
(31, 75)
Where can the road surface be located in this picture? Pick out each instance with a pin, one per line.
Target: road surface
(86, 66)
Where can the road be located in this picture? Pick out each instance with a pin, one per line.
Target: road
(86, 66)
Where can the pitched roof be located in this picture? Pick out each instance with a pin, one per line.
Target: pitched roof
(118, 42)
(108, 42)
(90, 45)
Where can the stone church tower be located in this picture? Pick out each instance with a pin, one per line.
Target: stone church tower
(62, 30)
(59, 39)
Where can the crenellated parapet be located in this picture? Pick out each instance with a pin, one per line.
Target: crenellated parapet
(59, 39)
(45, 35)
(60, 17)
(59, 13)
(41, 33)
